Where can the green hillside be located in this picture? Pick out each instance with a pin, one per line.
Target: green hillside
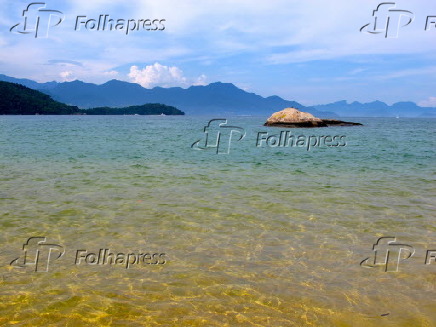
(16, 99)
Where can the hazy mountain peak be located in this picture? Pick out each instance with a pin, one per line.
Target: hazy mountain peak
(114, 81)
(221, 84)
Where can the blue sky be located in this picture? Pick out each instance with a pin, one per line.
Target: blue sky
(309, 51)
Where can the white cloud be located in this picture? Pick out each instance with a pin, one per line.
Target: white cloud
(160, 75)
(429, 70)
(430, 102)
(357, 71)
(66, 76)
(201, 80)
(111, 73)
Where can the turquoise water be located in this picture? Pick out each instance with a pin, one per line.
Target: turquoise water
(258, 237)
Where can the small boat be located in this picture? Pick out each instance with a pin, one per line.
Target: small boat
(162, 114)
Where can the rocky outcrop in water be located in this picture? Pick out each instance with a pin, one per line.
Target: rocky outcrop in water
(294, 118)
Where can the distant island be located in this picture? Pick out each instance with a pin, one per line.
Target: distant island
(16, 99)
(145, 109)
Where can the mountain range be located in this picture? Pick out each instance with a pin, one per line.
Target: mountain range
(215, 98)
(377, 109)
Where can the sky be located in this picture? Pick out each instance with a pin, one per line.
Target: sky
(309, 51)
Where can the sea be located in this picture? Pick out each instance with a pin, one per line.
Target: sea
(123, 221)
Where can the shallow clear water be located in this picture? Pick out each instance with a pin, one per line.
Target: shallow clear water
(259, 237)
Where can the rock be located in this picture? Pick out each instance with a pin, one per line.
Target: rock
(334, 122)
(294, 118)
(291, 117)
